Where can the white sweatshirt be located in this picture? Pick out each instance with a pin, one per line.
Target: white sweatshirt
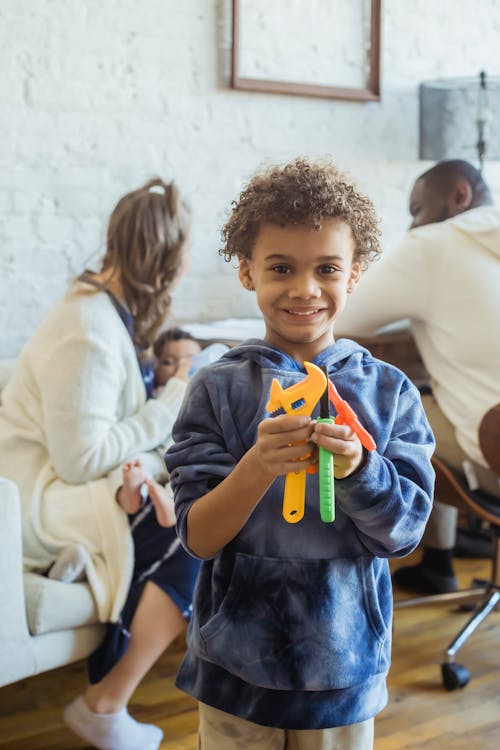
(445, 278)
(74, 410)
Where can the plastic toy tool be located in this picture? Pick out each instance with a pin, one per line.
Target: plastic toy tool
(346, 415)
(300, 398)
(326, 477)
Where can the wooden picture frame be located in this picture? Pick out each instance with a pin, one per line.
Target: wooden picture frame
(369, 90)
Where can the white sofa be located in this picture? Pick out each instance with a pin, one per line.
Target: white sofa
(43, 623)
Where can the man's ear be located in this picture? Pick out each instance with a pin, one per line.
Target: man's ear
(461, 196)
(245, 273)
(354, 278)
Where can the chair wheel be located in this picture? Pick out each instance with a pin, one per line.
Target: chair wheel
(454, 676)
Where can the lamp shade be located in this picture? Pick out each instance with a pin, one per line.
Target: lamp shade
(450, 109)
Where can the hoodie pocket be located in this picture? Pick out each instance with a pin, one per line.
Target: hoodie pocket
(301, 624)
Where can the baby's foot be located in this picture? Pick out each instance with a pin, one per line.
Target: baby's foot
(163, 501)
(129, 495)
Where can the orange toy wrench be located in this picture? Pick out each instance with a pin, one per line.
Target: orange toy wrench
(346, 415)
(300, 398)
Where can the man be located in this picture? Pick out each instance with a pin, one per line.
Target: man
(445, 277)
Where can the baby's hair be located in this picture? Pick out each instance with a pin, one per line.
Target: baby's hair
(302, 192)
(147, 231)
(171, 334)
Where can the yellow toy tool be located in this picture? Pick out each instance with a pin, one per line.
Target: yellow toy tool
(300, 398)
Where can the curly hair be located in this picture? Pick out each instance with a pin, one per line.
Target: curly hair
(146, 236)
(302, 192)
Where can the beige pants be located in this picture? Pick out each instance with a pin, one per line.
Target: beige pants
(222, 731)
(441, 529)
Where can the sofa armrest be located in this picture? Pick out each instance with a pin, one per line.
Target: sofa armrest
(12, 606)
(17, 658)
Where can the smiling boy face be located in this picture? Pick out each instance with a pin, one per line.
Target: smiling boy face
(302, 277)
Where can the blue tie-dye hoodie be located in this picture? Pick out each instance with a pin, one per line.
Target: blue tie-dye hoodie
(292, 622)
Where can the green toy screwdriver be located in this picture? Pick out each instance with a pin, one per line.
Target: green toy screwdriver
(326, 480)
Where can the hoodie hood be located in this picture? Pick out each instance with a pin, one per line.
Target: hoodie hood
(268, 357)
(481, 224)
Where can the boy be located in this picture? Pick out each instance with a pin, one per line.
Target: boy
(289, 644)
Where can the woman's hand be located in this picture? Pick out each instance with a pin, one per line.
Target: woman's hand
(283, 444)
(343, 443)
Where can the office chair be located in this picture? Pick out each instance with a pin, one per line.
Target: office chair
(452, 489)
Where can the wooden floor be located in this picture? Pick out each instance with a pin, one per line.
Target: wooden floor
(420, 714)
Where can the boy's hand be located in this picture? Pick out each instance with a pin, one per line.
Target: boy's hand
(340, 440)
(283, 444)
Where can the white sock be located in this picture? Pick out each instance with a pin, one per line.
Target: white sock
(70, 565)
(116, 731)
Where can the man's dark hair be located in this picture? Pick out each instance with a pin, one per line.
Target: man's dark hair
(445, 175)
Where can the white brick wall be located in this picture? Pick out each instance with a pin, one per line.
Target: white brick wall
(98, 95)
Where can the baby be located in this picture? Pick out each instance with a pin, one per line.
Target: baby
(174, 350)
(136, 487)
(177, 353)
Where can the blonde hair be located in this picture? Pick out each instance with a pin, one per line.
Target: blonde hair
(146, 235)
(302, 192)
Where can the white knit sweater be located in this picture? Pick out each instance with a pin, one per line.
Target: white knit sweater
(74, 410)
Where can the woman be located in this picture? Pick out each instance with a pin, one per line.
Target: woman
(74, 411)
